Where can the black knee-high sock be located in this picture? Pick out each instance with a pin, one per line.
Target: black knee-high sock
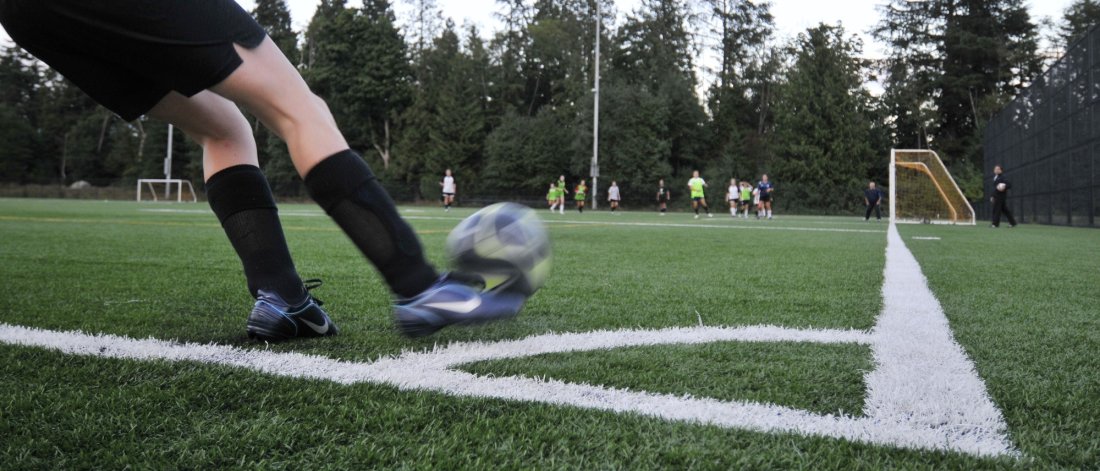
(242, 201)
(350, 193)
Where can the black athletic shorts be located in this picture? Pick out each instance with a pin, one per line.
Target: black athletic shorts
(128, 54)
(765, 197)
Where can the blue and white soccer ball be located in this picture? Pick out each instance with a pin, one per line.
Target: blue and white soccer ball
(504, 243)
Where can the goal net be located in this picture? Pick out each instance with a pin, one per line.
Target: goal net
(169, 186)
(922, 190)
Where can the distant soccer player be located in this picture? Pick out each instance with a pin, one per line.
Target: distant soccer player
(1000, 194)
(613, 196)
(698, 198)
(733, 196)
(663, 195)
(561, 194)
(579, 193)
(746, 198)
(872, 198)
(448, 185)
(552, 197)
(765, 188)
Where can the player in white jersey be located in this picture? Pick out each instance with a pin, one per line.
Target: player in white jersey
(733, 195)
(449, 187)
(613, 196)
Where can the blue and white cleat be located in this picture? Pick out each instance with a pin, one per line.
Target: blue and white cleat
(274, 320)
(452, 302)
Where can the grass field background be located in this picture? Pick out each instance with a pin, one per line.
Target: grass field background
(1023, 303)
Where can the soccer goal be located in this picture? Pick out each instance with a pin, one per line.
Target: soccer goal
(922, 190)
(168, 183)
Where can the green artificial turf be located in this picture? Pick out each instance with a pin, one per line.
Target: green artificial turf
(1023, 303)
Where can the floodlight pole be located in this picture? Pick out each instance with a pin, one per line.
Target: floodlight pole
(168, 163)
(595, 170)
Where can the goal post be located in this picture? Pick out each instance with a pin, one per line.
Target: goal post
(169, 183)
(922, 190)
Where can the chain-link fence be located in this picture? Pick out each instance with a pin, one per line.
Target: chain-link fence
(1048, 142)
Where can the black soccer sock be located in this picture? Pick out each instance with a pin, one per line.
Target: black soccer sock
(242, 201)
(350, 193)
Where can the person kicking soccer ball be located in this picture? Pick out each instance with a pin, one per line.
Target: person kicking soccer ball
(192, 63)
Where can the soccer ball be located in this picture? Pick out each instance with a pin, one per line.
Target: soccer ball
(1001, 187)
(504, 243)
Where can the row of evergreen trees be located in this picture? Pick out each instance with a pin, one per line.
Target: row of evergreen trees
(511, 111)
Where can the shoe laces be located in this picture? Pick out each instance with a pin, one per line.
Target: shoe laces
(312, 284)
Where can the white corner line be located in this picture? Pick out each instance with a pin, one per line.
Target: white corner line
(923, 392)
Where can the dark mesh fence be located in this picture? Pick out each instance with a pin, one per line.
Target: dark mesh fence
(1048, 141)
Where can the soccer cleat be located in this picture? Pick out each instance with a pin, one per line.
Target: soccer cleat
(710, 215)
(452, 302)
(274, 320)
(696, 216)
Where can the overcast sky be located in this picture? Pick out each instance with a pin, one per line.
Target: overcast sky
(791, 16)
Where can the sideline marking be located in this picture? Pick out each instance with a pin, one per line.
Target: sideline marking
(923, 393)
(572, 221)
(663, 224)
(925, 238)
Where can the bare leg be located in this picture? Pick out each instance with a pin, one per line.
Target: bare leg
(216, 124)
(271, 88)
(237, 191)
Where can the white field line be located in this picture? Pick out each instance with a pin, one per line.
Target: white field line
(925, 238)
(761, 225)
(923, 393)
(923, 378)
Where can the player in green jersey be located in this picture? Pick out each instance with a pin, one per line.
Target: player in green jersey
(696, 185)
(552, 197)
(579, 194)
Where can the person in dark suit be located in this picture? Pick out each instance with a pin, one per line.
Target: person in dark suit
(872, 198)
(1000, 194)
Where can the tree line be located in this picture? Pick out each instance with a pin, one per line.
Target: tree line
(512, 110)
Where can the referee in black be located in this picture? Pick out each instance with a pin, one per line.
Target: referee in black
(872, 198)
(1000, 194)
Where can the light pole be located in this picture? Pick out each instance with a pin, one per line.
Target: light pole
(595, 170)
(168, 164)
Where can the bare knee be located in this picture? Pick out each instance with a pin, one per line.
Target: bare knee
(290, 119)
(206, 118)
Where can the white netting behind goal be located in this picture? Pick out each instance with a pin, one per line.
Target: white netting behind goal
(922, 190)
